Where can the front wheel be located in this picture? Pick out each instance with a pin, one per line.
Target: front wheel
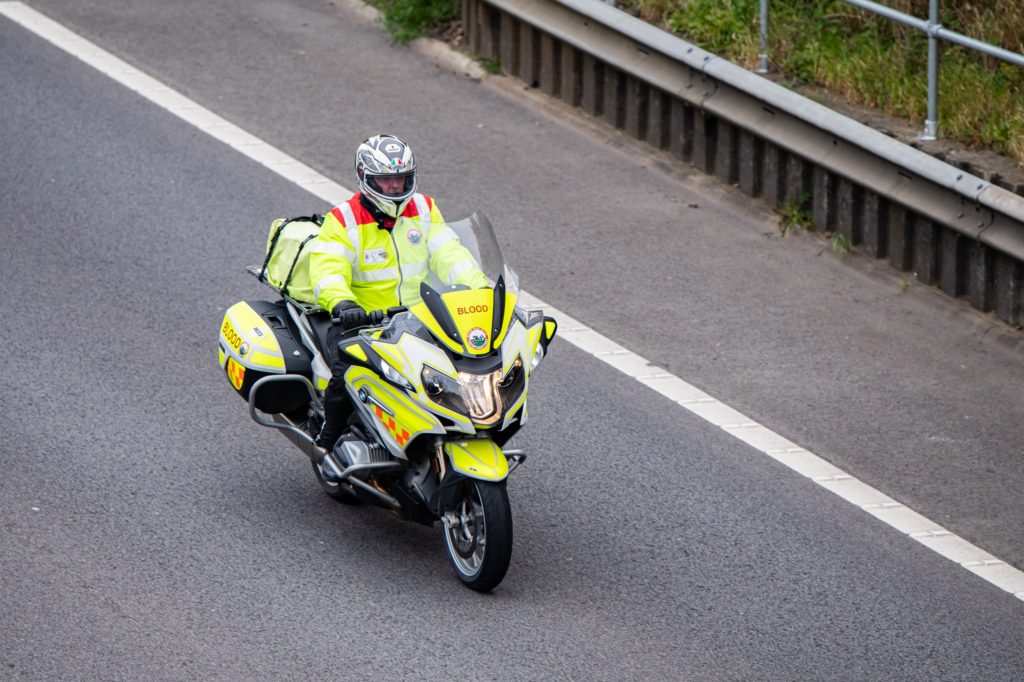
(478, 534)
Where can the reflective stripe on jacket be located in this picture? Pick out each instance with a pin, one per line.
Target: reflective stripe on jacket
(355, 260)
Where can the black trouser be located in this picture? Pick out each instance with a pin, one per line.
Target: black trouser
(337, 405)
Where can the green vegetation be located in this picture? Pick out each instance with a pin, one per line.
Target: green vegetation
(407, 20)
(492, 66)
(841, 245)
(794, 215)
(872, 61)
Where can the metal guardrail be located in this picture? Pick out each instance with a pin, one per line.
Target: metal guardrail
(950, 228)
(935, 32)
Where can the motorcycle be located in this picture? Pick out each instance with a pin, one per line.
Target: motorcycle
(439, 387)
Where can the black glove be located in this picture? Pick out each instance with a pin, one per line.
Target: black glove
(349, 315)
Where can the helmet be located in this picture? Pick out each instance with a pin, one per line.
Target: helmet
(386, 156)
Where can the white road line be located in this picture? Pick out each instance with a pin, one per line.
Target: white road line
(160, 94)
(759, 437)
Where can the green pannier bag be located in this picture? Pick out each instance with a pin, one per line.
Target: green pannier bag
(286, 267)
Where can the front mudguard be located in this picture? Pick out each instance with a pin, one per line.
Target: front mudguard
(479, 458)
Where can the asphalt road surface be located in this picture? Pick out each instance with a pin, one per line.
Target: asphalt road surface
(150, 530)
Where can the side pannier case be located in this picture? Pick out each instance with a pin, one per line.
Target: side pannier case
(258, 339)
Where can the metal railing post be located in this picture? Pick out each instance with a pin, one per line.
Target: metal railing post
(762, 57)
(935, 33)
(931, 123)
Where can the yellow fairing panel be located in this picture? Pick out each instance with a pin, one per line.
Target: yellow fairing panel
(356, 351)
(479, 458)
(510, 309)
(406, 421)
(472, 312)
(473, 315)
(422, 313)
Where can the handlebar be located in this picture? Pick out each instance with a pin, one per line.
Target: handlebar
(375, 317)
(378, 316)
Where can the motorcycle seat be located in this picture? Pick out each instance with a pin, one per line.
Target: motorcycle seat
(320, 323)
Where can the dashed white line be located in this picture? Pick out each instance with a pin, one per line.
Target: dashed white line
(759, 437)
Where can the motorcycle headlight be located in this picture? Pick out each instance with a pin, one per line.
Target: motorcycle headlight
(443, 390)
(481, 397)
(394, 376)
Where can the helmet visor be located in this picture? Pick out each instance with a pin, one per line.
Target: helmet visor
(392, 185)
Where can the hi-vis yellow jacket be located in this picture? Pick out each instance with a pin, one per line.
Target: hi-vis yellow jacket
(353, 259)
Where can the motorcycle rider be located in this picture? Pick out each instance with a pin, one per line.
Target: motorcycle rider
(372, 253)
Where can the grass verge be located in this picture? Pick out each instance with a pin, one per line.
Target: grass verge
(406, 20)
(872, 61)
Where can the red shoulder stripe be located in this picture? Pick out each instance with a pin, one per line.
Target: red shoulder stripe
(362, 216)
(412, 210)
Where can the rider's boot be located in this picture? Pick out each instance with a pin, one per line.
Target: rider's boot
(337, 408)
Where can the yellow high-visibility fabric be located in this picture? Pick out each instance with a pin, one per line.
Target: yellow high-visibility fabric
(287, 258)
(379, 268)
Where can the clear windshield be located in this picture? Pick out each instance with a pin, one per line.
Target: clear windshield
(477, 234)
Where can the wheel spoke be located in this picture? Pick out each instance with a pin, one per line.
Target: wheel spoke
(479, 537)
(467, 533)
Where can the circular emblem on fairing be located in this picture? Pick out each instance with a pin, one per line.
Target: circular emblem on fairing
(476, 338)
(415, 236)
(243, 350)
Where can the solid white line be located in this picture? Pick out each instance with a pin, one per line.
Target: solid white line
(689, 397)
(779, 448)
(165, 97)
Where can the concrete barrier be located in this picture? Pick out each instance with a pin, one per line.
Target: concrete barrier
(950, 228)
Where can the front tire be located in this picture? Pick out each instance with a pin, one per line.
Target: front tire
(477, 534)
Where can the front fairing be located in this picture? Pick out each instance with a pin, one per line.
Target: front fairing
(465, 355)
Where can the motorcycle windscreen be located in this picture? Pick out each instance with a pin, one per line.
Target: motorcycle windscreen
(469, 299)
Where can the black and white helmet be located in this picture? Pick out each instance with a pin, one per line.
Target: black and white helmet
(386, 156)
